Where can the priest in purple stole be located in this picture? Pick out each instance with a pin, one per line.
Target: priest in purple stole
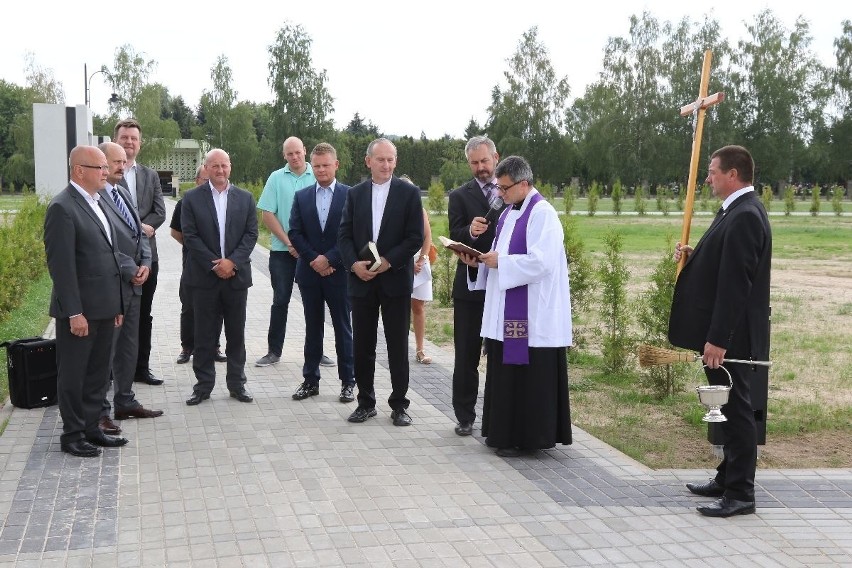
(527, 320)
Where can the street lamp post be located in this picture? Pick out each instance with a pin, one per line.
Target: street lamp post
(87, 84)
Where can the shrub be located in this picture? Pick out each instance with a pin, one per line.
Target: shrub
(615, 312)
(435, 201)
(617, 194)
(21, 252)
(663, 204)
(639, 201)
(789, 200)
(766, 197)
(815, 200)
(569, 196)
(546, 191)
(652, 312)
(837, 200)
(594, 196)
(580, 274)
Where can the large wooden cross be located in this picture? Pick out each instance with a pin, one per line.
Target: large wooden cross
(697, 109)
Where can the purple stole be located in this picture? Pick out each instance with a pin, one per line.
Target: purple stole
(516, 310)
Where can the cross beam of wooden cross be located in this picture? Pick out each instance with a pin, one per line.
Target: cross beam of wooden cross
(697, 108)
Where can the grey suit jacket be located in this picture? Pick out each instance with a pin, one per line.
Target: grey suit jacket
(150, 204)
(132, 250)
(201, 236)
(81, 261)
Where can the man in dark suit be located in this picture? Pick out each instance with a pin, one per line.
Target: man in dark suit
(86, 300)
(134, 255)
(388, 212)
(320, 274)
(143, 185)
(467, 206)
(187, 319)
(219, 232)
(721, 309)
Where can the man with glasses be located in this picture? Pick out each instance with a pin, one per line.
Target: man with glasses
(79, 244)
(187, 318)
(526, 322)
(467, 207)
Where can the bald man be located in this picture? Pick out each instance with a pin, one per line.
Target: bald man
(134, 254)
(219, 223)
(79, 244)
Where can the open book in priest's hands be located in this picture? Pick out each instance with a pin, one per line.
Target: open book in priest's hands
(371, 252)
(459, 247)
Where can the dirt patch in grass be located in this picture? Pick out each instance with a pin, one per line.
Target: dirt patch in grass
(810, 396)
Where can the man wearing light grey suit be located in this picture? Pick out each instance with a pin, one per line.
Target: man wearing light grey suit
(219, 225)
(86, 300)
(134, 259)
(143, 186)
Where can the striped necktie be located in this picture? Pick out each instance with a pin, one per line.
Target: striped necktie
(489, 191)
(128, 218)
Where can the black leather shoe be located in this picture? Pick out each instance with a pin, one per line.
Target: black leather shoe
(101, 439)
(183, 357)
(346, 394)
(508, 452)
(361, 414)
(464, 428)
(709, 489)
(220, 357)
(400, 417)
(81, 449)
(727, 507)
(148, 378)
(242, 395)
(196, 398)
(305, 390)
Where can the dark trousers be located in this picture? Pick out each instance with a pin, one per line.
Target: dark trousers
(467, 341)
(83, 365)
(187, 320)
(211, 306)
(146, 321)
(737, 470)
(396, 318)
(315, 296)
(282, 272)
(124, 355)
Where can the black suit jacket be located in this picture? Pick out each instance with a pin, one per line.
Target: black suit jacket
(722, 293)
(311, 240)
(400, 236)
(132, 250)
(81, 261)
(201, 236)
(465, 203)
(149, 201)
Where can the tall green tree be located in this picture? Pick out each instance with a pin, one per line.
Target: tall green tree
(128, 77)
(302, 105)
(528, 116)
(781, 89)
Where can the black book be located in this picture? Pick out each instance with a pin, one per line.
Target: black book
(371, 252)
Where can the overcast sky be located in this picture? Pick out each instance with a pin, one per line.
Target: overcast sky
(407, 67)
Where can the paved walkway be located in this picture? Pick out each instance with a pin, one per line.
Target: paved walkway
(283, 483)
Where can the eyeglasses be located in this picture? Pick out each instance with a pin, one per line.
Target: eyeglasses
(505, 188)
(102, 168)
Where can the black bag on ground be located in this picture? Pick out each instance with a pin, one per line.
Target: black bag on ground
(31, 366)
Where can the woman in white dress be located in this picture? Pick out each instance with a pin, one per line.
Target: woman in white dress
(422, 290)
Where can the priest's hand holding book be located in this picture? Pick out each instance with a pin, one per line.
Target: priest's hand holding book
(470, 255)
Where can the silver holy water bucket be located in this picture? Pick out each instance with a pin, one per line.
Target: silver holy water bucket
(713, 397)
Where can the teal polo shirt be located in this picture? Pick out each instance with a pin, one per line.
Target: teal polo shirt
(278, 194)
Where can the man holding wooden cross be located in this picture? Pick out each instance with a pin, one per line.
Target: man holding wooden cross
(721, 309)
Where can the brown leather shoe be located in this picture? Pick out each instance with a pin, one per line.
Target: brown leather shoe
(137, 412)
(107, 426)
